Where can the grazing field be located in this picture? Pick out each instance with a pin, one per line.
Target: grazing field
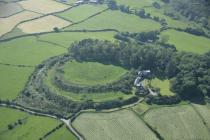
(137, 4)
(187, 42)
(12, 81)
(44, 24)
(91, 73)
(204, 111)
(27, 51)
(76, 15)
(66, 38)
(163, 85)
(7, 24)
(43, 6)
(62, 134)
(8, 9)
(180, 122)
(32, 127)
(120, 125)
(119, 21)
(95, 97)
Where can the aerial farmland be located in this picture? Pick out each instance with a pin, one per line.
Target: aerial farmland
(104, 70)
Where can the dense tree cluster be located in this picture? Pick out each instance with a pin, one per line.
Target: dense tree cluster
(192, 78)
(155, 58)
(190, 73)
(150, 36)
(195, 10)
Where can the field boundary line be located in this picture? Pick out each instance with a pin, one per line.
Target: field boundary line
(41, 16)
(43, 33)
(157, 134)
(200, 116)
(52, 43)
(17, 65)
(90, 17)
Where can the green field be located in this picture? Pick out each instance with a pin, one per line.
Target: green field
(61, 134)
(27, 51)
(187, 42)
(137, 4)
(163, 85)
(91, 73)
(119, 125)
(76, 15)
(66, 38)
(118, 20)
(95, 97)
(204, 111)
(32, 128)
(12, 81)
(179, 122)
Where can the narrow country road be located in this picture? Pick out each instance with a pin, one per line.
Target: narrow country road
(67, 122)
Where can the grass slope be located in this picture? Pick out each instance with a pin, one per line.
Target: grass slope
(179, 122)
(187, 42)
(76, 15)
(91, 73)
(120, 125)
(117, 20)
(33, 127)
(164, 86)
(95, 97)
(27, 51)
(12, 81)
(62, 134)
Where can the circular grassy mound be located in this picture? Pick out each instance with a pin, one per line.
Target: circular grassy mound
(91, 73)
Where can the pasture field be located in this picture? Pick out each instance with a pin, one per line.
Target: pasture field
(164, 86)
(62, 134)
(91, 73)
(12, 81)
(66, 38)
(179, 122)
(187, 42)
(137, 4)
(95, 97)
(119, 125)
(7, 24)
(32, 128)
(44, 24)
(119, 21)
(43, 6)
(27, 51)
(204, 111)
(76, 15)
(8, 9)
